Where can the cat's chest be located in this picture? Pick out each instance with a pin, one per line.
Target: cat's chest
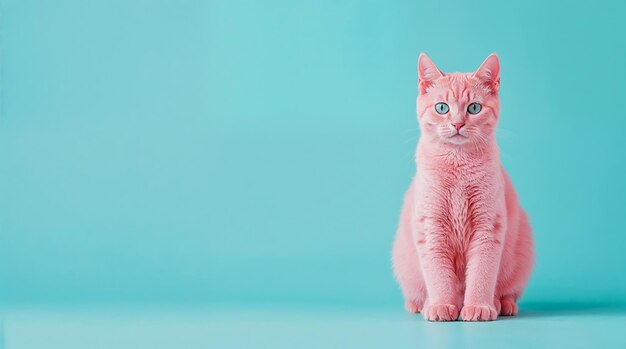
(457, 200)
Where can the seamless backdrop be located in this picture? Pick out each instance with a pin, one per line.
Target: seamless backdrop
(247, 152)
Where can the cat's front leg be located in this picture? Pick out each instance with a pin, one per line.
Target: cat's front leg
(483, 263)
(438, 270)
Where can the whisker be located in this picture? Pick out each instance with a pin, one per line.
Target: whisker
(504, 133)
(412, 138)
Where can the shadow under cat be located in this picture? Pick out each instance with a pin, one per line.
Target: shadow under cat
(574, 308)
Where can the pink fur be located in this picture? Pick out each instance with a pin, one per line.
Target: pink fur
(464, 245)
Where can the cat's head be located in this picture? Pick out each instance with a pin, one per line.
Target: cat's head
(458, 109)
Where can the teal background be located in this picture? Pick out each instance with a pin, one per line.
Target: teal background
(248, 153)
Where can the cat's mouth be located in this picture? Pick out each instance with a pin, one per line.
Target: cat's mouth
(457, 139)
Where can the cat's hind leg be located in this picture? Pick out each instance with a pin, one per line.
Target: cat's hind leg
(516, 266)
(407, 271)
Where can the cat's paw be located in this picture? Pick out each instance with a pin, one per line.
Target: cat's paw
(508, 306)
(480, 312)
(440, 312)
(412, 307)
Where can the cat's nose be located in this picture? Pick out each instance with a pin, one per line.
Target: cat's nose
(458, 125)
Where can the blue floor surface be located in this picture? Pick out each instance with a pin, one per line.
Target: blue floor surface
(537, 326)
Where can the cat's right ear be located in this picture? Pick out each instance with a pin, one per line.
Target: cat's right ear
(427, 72)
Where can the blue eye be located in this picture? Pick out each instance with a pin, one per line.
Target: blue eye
(441, 108)
(474, 108)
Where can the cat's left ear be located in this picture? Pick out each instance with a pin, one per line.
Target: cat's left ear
(489, 72)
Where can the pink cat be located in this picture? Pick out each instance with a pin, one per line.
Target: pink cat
(463, 242)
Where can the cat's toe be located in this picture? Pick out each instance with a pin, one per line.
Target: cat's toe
(497, 304)
(481, 312)
(509, 307)
(441, 312)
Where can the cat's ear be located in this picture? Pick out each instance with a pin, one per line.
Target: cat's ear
(489, 72)
(427, 72)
